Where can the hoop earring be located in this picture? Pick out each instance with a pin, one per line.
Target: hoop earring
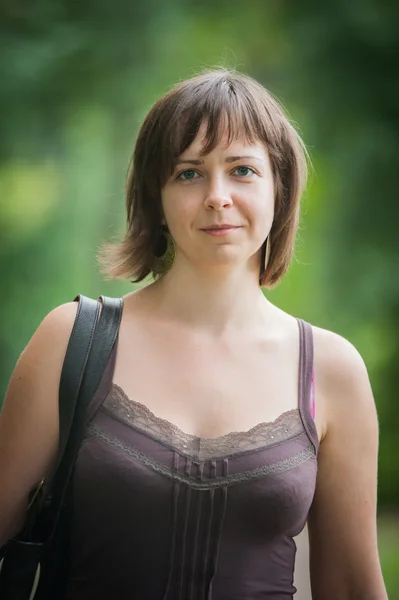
(165, 254)
(267, 253)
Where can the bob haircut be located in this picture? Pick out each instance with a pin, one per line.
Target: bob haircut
(229, 102)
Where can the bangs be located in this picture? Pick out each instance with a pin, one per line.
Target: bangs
(230, 110)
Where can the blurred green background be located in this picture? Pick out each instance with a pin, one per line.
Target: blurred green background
(77, 79)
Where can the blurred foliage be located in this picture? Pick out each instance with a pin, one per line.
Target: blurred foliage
(388, 536)
(77, 79)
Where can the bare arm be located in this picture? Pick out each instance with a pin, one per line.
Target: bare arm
(344, 561)
(29, 418)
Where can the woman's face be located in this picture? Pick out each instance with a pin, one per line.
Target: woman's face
(219, 208)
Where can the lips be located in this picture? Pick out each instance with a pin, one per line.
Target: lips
(223, 226)
(219, 231)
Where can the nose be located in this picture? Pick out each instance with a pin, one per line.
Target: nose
(218, 195)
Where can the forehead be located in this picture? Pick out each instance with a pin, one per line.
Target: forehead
(235, 143)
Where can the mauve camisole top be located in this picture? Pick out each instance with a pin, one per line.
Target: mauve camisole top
(162, 515)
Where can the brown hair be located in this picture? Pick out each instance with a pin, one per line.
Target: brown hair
(225, 99)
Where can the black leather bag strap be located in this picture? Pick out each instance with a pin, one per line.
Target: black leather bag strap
(74, 365)
(38, 524)
(91, 343)
(102, 343)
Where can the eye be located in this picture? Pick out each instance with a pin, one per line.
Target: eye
(244, 171)
(187, 175)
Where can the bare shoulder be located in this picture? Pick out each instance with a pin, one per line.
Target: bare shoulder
(44, 354)
(342, 525)
(335, 357)
(60, 320)
(46, 349)
(342, 382)
(29, 418)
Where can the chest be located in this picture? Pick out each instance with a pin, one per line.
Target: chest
(205, 387)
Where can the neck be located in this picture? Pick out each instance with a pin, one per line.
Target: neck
(218, 302)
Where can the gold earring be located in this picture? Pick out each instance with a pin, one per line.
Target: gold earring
(267, 253)
(165, 254)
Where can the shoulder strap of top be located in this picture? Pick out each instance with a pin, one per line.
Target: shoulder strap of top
(305, 380)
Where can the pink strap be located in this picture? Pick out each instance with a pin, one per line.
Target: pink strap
(312, 397)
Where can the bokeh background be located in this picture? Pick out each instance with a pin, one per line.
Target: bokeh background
(77, 78)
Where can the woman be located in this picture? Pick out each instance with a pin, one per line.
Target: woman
(222, 424)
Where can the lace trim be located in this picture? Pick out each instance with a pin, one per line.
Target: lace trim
(287, 426)
(278, 467)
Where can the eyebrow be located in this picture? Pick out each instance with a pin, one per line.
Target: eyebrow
(229, 159)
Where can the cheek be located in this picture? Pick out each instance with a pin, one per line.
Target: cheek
(169, 205)
(178, 210)
(268, 200)
(260, 205)
(262, 215)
